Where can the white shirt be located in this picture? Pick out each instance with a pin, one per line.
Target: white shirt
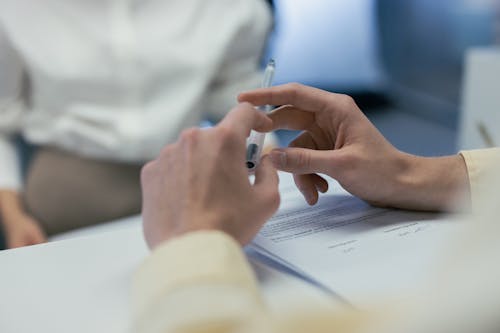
(118, 79)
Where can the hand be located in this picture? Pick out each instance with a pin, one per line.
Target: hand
(201, 182)
(339, 141)
(23, 230)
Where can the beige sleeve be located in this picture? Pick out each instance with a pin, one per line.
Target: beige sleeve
(200, 282)
(479, 165)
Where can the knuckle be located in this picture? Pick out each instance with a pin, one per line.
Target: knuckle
(147, 171)
(167, 150)
(242, 108)
(303, 160)
(245, 105)
(347, 100)
(190, 134)
(294, 86)
(226, 134)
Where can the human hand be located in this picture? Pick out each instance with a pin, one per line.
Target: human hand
(22, 230)
(201, 183)
(339, 141)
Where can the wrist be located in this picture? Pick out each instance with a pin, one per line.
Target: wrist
(12, 213)
(10, 203)
(432, 183)
(14, 221)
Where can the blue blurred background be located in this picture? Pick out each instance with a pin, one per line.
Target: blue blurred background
(402, 60)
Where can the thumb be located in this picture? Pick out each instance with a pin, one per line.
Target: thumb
(267, 181)
(302, 161)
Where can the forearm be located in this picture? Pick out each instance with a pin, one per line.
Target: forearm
(432, 183)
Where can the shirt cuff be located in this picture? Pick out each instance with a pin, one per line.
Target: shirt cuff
(192, 261)
(10, 173)
(480, 164)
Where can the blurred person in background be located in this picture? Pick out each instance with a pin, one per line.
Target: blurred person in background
(99, 87)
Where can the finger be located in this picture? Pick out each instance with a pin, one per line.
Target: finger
(291, 118)
(243, 118)
(267, 181)
(320, 183)
(306, 185)
(300, 96)
(302, 160)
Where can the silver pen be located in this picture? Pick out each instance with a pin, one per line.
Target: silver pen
(255, 141)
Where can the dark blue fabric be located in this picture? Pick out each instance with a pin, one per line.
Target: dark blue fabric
(2, 239)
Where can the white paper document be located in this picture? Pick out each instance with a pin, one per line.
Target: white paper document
(360, 252)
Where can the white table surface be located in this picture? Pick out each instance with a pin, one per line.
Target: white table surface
(81, 282)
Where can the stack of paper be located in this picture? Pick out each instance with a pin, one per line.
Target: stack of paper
(360, 252)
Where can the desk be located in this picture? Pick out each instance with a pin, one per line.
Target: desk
(82, 283)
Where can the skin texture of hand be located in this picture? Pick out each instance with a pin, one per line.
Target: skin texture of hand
(22, 230)
(339, 141)
(201, 183)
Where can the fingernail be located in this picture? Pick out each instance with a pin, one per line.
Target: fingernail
(278, 157)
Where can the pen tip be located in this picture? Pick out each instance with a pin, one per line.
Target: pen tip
(271, 62)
